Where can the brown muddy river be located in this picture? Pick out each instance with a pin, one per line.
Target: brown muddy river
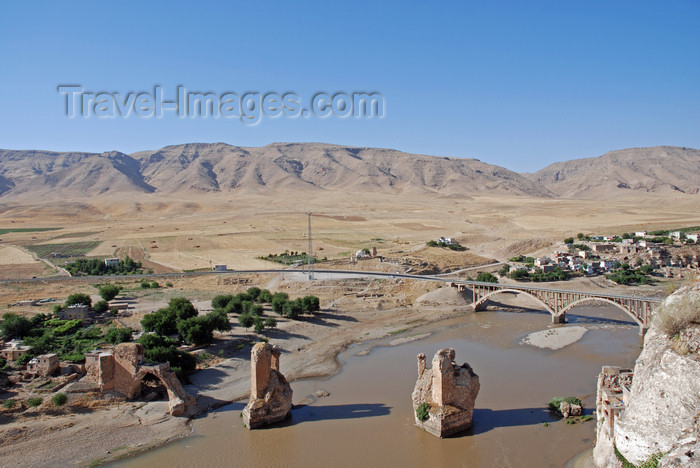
(368, 419)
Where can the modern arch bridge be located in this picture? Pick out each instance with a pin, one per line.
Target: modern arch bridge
(559, 301)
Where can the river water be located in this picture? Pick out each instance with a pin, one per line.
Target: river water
(368, 418)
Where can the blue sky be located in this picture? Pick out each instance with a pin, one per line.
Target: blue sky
(518, 84)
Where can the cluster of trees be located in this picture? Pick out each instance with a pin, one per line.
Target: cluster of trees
(453, 246)
(486, 277)
(529, 261)
(182, 318)
(249, 306)
(288, 258)
(557, 274)
(97, 267)
(625, 274)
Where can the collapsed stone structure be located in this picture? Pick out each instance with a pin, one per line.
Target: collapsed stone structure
(450, 391)
(270, 395)
(122, 369)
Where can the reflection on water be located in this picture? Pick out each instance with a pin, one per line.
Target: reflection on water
(367, 420)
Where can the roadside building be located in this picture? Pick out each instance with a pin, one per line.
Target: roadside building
(112, 262)
(77, 311)
(221, 267)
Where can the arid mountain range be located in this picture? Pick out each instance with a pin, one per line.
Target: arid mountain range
(280, 167)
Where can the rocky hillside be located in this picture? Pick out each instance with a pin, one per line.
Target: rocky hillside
(278, 167)
(663, 408)
(282, 168)
(661, 169)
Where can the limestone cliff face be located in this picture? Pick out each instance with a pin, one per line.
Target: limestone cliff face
(662, 408)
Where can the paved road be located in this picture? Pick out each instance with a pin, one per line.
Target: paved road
(362, 274)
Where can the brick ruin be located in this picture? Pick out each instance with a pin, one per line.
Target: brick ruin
(122, 370)
(270, 394)
(450, 391)
(612, 398)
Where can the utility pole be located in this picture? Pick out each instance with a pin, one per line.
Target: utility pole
(309, 253)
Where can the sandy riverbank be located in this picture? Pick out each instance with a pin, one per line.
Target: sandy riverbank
(310, 348)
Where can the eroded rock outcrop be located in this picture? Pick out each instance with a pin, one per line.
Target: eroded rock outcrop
(657, 410)
(448, 390)
(270, 394)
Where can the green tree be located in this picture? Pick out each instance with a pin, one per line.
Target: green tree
(14, 326)
(182, 307)
(292, 309)
(221, 301)
(108, 292)
(270, 322)
(569, 240)
(195, 330)
(253, 293)
(310, 304)
(118, 335)
(504, 270)
(78, 298)
(258, 324)
(580, 236)
(246, 320)
(265, 296)
(100, 307)
(162, 321)
(278, 301)
(486, 277)
(218, 320)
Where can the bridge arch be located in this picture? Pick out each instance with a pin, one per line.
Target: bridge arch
(602, 299)
(478, 304)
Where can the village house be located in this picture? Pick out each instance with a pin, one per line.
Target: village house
(693, 237)
(445, 240)
(14, 350)
(112, 262)
(600, 248)
(640, 234)
(542, 261)
(78, 311)
(221, 267)
(44, 365)
(606, 264)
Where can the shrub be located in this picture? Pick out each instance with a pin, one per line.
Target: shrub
(24, 359)
(423, 412)
(145, 285)
(169, 284)
(9, 404)
(35, 401)
(100, 307)
(672, 317)
(59, 399)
